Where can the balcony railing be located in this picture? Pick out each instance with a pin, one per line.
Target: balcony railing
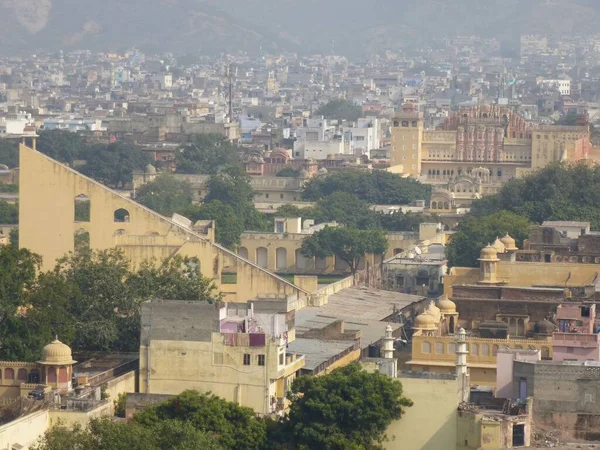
(575, 340)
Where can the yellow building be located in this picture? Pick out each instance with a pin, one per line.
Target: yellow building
(484, 136)
(237, 354)
(434, 345)
(407, 140)
(48, 226)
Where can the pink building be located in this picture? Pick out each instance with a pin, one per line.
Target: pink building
(576, 339)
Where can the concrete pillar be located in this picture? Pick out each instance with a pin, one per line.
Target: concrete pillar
(388, 343)
(462, 371)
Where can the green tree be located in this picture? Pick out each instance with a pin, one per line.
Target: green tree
(207, 154)
(92, 300)
(340, 109)
(14, 237)
(17, 276)
(400, 221)
(165, 195)
(61, 145)
(375, 187)
(114, 164)
(346, 209)
(104, 434)
(287, 172)
(348, 244)
(473, 233)
(9, 152)
(346, 409)
(229, 227)
(236, 427)
(231, 186)
(9, 213)
(557, 192)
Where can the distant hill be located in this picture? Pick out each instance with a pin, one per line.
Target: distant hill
(307, 25)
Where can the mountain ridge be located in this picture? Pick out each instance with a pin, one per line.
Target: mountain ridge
(310, 26)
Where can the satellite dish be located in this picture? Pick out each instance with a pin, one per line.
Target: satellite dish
(418, 250)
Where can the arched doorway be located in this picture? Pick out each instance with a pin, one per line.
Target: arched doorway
(281, 258)
(262, 257)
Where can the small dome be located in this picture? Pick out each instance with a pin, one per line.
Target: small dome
(488, 253)
(546, 327)
(498, 246)
(434, 312)
(447, 306)
(424, 322)
(150, 169)
(57, 353)
(509, 243)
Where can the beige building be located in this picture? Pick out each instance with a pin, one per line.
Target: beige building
(48, 226)
(487, 136)
(238, 353)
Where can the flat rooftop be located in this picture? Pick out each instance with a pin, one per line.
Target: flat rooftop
(364, 309)
(318, 351)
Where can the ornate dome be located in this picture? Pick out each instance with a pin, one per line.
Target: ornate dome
(498, 246)
(509, 243)
(434, 312)
(57, 353)
(150, 169)
(488, 253)
(424, 322)
(447, 306)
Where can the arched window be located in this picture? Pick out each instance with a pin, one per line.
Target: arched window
(262, 257)
(426, 347)
(281, 258)
(433, 205)
(446, 205)
(451, 325)
(63, 375)
(81, 240)
(243, 252)
(121, 215)
(22, 374)
(485, 350)
(494, 350)
(51, 375)
(83, 208)
(9, 374)
(474, 349)
(439, 348)
(451, 348)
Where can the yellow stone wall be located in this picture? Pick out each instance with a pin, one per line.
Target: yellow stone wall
(430, 424)
(47, 227)
(25, 430)
(437, 354)
(407, 142)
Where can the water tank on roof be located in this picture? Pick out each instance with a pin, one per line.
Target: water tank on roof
(374, 351)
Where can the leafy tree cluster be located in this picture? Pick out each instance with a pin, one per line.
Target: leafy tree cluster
(114, 164)
(348, 244)
(9, 188)
(346, 409)
(91, 299)
(9, 152)
(376, 187)
(340, 109)
(61, 145)
(165, 195)
(207, 154)
(475, 232)
(558, 192)
(288, 172)
(9, 213)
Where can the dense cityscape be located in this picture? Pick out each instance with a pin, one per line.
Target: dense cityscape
(282, 250)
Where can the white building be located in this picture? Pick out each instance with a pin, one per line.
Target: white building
(563, 85)
(16, 123)
(363, 136)
(73, 124)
